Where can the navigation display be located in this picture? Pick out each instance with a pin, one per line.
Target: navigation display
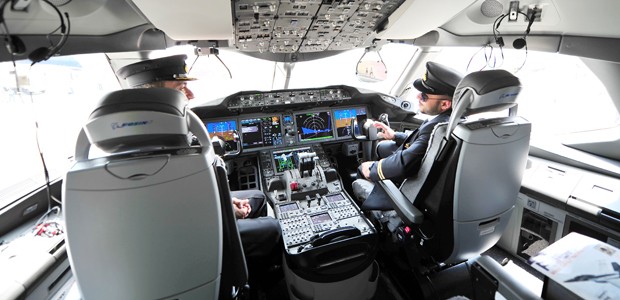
(343, 118)
(225, 130)
(283, 160)
(314, 126)
(261, 132)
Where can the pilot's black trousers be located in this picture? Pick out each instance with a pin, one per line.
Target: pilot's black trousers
(260, 235)
(257, 202)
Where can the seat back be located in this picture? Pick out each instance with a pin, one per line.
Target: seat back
(146, 221)
(470, 177)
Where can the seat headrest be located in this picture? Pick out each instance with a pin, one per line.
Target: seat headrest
(482, 91)
(490, 90)
(152, 99)
(137, 119)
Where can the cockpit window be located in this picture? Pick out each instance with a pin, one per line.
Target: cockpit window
(554, 97)
(341, 68)
(48, 103)
(248, 73)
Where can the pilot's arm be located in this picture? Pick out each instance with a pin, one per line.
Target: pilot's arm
(402, 163)
(389, 133)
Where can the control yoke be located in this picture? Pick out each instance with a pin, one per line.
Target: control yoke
(369, 137)
(368, 132)
(223, 149)
(384, 118)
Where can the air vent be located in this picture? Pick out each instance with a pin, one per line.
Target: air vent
(405, 105)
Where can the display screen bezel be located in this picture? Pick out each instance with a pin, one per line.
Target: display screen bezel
(289, 150)
(305, 141)
(331, 111)
(211, 121)
(329, 198)
(346, 108)
(249, 117)
(287, 207)
(319, 218)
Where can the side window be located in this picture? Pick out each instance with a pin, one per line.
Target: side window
(553, 97)
(42, 108)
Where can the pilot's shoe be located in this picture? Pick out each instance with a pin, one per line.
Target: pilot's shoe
(170, 68)
(438, 80)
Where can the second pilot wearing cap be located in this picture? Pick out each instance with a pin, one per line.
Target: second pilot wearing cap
(166, 72)
(435, 98)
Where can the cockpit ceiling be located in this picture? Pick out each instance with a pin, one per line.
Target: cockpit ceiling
(289, 26)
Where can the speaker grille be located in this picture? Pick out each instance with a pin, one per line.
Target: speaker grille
(491, 8)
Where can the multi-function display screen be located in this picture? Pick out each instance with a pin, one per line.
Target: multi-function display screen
(261, 132)
(225, 130)
(314, 126)
(334, 198)
(288, 207)
(343, 118)
(283, 160)
(321, 218)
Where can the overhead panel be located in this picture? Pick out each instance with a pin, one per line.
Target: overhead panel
(254, 23)
(289, 26)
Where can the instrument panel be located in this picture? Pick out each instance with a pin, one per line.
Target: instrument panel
(287, 130)
(267, 131)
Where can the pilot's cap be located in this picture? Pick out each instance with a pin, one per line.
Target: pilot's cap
(171, 68)
(438, 80)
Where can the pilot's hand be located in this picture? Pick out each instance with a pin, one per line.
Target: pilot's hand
(386, 132)
(366, 169)
(242, 207)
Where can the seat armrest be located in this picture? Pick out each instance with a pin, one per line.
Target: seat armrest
(406, 211)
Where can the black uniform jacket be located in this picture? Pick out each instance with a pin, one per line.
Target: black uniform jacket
(407, 158)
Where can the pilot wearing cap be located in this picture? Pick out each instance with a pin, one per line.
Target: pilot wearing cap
(403, 155)
(259, 235)
(167, 72)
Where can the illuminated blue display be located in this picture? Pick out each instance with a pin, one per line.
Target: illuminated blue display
(226, 131)
(343, 118)
(222, 126)
(314, 126)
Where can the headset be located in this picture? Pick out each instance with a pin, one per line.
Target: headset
(44, 53)
(15, 45)
(519, 43)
